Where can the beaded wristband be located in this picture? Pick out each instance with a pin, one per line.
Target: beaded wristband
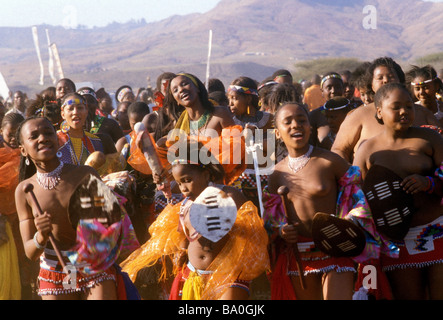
(38, 245)
(431, 186)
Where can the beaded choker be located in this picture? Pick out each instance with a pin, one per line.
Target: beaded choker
(50, 180)
(296, 164)
(195, 126)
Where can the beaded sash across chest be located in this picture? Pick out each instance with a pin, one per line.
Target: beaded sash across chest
(96, 124)
(77, 150)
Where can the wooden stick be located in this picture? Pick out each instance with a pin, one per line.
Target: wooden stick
(29, 188)
(283, 192)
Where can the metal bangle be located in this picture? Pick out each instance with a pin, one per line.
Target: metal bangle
(38, 245)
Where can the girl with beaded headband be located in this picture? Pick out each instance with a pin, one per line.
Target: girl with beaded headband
(204, 269)
(76, 144)
(53, 184)
(243, 101)
(425, 85)
(264, 88)
(199, 113)
(336, 110)
(331, 86)
(199, 118)
(125, 93)
(318, 181)
(415, 155)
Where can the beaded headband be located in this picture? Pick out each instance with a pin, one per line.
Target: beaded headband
(330, 76)
(40, 112)
(184, 161)
(423, 82)
(122, 93)
(244, 90)
(266, 84)
(338, 108)
(87, 91)
(71, 102)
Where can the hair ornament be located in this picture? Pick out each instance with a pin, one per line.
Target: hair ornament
(244, 90)
(330, 76)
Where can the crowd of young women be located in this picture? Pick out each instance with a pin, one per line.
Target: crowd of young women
(218, 194)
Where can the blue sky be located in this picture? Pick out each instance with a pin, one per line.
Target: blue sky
(25, 13)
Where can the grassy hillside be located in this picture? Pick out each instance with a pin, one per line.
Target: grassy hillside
(306, 69)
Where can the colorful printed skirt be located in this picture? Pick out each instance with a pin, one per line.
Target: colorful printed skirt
(421, 247)
(54, 281)
(313, 262)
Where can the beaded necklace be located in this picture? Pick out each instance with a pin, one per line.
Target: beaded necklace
(195, 126)
(298, 163)
(50, 180)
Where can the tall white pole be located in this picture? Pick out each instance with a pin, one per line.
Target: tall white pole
(208, 66)
(4, 89)
(37, 48)
(57, 60)
(51, 59)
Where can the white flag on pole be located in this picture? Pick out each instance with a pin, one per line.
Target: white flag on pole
(208, 66)
(4, 89)
(51, 59)
(57, 60)
(37, 48)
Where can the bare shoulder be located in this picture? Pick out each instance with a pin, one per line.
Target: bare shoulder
(222, 116)
(424, 116)
(222, 111)
(361, 112)
(23, 209)
(428, 134)
(79, 172)
(353, 122)
(420, 109)
(236, 195)
(366, 148)
(150, 117)
(120, 144)
(332, 160)
(20, 189)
